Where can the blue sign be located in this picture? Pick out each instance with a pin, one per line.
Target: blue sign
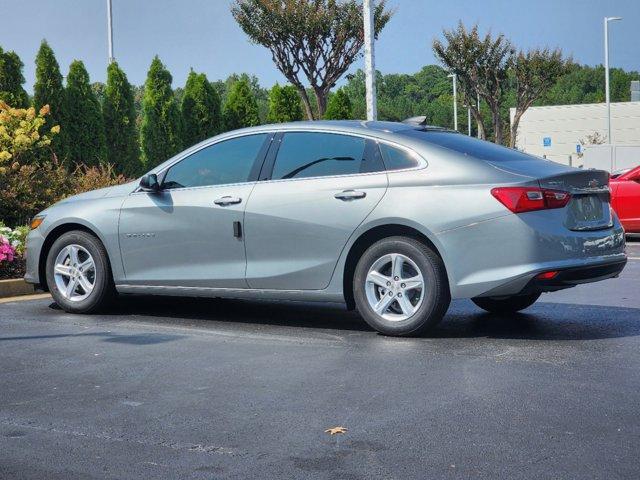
(578, 148)
(546, 142)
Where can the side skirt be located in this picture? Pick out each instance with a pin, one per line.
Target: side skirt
(246, 293)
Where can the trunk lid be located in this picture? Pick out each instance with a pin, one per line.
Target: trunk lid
(589, 207)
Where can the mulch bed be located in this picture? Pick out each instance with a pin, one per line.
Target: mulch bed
(15, 269)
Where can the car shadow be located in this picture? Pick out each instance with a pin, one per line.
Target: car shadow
(543, 321)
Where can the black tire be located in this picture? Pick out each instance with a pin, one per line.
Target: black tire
(435, 301)
(103, 288)
(505, 305)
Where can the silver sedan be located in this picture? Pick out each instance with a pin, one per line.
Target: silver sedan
(394, 219)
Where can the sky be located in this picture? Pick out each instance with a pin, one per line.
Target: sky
(201, 34)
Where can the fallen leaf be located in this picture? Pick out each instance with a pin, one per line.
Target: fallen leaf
(335, 430)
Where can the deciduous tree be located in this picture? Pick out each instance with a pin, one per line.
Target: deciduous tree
(118, 111)
(313, 39)
(533, 73)
(84, 136)
(160, 133)
(481, 66)
(201, 115)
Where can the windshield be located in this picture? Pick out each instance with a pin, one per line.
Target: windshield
(470, 146)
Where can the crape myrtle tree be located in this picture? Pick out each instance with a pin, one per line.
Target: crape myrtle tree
(284, 104)
(533, 73)
(481, 65)
(118, 111)
(48, 90)
(11, 80)
(339, 106)
(240, 108)
(84, 138)
(313, 39)
(200, 108)
(160, 132)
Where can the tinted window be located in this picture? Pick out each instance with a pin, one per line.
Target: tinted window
(225, 162)
(470, 146)
(304, 155)
(397, 158)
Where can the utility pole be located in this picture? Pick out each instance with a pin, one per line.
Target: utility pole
(478, 100)
(455, 100)
(469, 120)
(606, 73)
(369, 60)
(110, 32)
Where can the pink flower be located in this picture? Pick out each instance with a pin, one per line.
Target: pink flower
(7, 251)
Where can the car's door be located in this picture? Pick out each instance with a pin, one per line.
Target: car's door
(628, 200)
(318, 188)
(188, 234)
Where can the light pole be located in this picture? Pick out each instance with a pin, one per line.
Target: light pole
(369, 60)
(110, 32)
(606, 73)
(469, 121)
(455, 100)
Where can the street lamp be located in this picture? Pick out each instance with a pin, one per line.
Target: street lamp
(606, 74)
(369, 60)
(110, 32)
(455, 100)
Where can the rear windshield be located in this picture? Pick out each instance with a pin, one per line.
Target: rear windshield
(469, 146)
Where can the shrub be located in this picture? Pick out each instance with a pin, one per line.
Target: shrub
(86, 178)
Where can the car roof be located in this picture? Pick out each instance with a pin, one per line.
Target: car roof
(352, 126)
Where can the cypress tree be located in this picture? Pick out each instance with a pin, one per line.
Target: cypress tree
(284, 104)
(160, 133)
(48, 90)
(201, 117)
(241, 107)
(339, 106)
(11, 80)
(83, 119)
(118, 112)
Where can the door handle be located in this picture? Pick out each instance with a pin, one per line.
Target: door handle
(350, 195)
(224, 201)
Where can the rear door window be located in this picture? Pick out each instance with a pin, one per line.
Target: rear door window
(311, 154)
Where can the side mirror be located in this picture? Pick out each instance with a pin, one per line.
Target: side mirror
(149, 183)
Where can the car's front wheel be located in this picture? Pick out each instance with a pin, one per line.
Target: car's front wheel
(78, 273)
(505, 305)
(400, 287)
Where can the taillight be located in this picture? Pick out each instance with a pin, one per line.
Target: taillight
(528, 199)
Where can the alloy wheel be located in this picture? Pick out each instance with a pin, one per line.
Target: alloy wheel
(74, 273)
(394, 287)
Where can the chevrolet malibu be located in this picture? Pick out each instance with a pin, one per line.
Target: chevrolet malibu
(394, 219)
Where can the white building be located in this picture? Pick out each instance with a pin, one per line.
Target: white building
(555, 132)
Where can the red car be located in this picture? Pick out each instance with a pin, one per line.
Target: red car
(625, 199)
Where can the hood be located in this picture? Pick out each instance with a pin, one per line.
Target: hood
(115, 191)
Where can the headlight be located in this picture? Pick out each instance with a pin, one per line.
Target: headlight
(37, 220)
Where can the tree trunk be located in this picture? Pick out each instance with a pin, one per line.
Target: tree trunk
(497, 126)
(477, 116)
(305, 101)
(514, 128)
(321, 99)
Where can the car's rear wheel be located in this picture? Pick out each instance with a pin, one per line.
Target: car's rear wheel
(400, 287)
(510, 304)
(78, 273)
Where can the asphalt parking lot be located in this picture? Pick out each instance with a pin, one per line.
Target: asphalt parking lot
(175, 388)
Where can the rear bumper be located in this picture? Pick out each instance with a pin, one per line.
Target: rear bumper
(571, 277)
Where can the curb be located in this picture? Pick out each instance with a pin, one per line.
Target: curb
(24, 298)
(15, 287)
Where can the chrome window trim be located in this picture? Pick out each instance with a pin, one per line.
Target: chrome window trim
(421, 160)
(423, 163)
